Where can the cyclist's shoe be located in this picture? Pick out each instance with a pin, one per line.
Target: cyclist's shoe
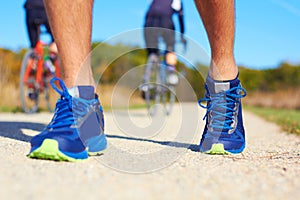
(143, 94)
(34, 55)
(144, 88)
(32, 93)
(224, 131)
(76, 129)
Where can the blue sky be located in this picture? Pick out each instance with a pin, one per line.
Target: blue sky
(267, 31)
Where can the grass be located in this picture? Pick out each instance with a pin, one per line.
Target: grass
(11, 109)
(288, 120)
(18, 109)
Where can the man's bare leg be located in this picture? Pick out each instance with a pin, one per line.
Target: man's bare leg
(219, 20)
(71, 25)
(224, 131)
(77, 128)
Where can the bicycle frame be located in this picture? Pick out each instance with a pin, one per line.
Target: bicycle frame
(164, 90)
(39, 65)
(39, 49)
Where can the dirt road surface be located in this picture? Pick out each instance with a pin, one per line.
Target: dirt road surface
(152, 158)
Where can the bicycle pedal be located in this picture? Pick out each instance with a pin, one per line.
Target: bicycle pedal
(32, 95)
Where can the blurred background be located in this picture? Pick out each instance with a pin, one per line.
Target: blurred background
(266, 49)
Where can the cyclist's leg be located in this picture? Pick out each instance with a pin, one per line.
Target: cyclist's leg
(53, 47)
(218, 18)
(151, 38)
(32, 28)
(47, 25)
(170, 56)
(169, 38)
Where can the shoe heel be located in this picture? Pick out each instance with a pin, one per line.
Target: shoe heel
(96, 145)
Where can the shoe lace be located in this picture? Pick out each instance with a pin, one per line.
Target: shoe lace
(68, 109)
(221, 108)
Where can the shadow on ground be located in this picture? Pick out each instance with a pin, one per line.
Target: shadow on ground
(191, 147)
(13, 130)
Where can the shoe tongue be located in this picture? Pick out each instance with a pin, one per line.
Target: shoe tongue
(215, 87)
(84, 92)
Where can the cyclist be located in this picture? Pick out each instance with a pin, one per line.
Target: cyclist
(36, 16)
(159, 24)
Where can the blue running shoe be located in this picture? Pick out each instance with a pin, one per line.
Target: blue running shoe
(224, 131)
(76, 129)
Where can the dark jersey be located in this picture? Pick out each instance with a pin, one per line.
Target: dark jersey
(160, 8)
(160, 14)
(36, 16)
(34, 4)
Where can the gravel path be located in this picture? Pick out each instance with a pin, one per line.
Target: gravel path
(152, 159)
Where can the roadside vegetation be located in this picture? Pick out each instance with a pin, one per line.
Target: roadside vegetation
(289, 120)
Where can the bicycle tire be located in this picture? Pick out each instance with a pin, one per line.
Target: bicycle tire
(47, 97)
(50, 95)
(168, 99)
(159, 92)
(151, 91)
(157, 98)
(149, 100)
(29, 103)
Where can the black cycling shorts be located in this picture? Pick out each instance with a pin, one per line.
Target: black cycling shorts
(35, 18)
(156, 28)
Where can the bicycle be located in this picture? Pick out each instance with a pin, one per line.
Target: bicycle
(162, 84)
(39, 66)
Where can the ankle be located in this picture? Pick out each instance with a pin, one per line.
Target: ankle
(224, 75)
(222, 70)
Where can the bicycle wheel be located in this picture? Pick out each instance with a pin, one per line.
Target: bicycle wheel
(170, 95)
(149, 88)
(51, 70)
(50, 95)
(168, 99)
(47, 97)
(29, 92)
(150, 97)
